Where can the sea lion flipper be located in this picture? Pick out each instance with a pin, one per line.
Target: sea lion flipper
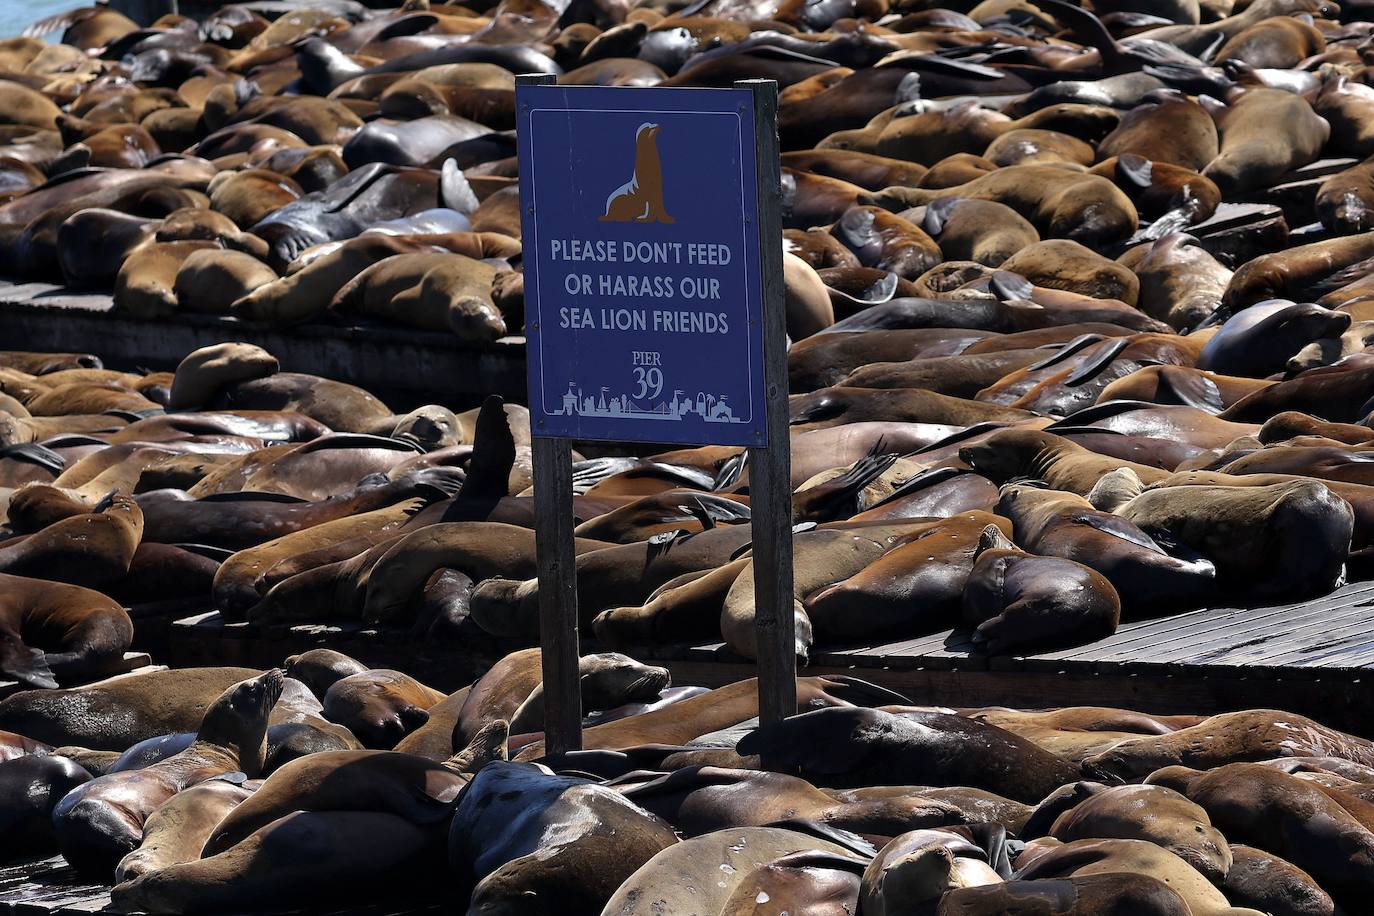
(27, 664)
(454, 190)
(493, 453)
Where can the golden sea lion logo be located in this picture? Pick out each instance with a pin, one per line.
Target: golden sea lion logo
(640, 200)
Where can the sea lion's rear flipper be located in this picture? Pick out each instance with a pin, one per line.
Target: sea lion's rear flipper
(26, 664)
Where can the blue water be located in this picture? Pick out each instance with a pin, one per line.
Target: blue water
(16, 14)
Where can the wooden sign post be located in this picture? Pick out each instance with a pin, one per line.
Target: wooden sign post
(654, 312)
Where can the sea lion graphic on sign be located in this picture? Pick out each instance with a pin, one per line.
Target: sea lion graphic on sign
(640, 200)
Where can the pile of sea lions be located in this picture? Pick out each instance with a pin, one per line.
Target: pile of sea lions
(1033, 395)
(326, 785)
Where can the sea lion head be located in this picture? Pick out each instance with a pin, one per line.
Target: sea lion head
(1008, 453)
(430, 427)
(205, 371)
(610, 679)
(237, 721)
(320, 669)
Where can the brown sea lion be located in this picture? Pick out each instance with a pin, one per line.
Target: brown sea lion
(1345, 201)
(687, 878)
(1264, 133)
(56, 632)
(361, 850)
(1303, 522)
(1083, 858)
(1180, 282)
(380, 706)
(320, 669)
(849, 746)
(804, 882)
(94, 549)
(419, 790)
(984, 231)
(1167, 127)
(176, 832)
(103, 822)
(203, 372)
(1065, 264)
(916, 587)
(1321, 831)
(146, 283)
(697, 800)
(1071, 205)
(1154, 813)
(1080, 895)
(1017, 602)
(1256, 734)
(1040, 455)
(210, 280)
(1266, 882)
(436, 292)
(914, 870)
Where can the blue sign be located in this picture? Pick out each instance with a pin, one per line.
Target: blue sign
(641, 260)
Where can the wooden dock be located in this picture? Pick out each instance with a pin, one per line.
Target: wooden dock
(1314, 657)
(403, 365)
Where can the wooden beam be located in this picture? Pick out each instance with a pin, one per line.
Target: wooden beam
(770, 468)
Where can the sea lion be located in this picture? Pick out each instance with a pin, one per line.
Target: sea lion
(1266, 882)
(283, 864)
(1153, 813)
(851, 746)
(320, 669)
(1264, 134)
(1065, 264)
(1055, 523)
(1167, 127)
(120, 712)
(1017, 602)
(1298, 271)
(30, 787)
(1256, 734)
(804, 882)
(1320, 831)
(1262, 339)
(202, 373)
(176, 832)
(380, 706)
(1303, 522)
(1079, 895)
(984, 231)
(520, 831)
(420, 791)
(697, 800)
(93, 549)
(103, 821)
(1039, 455)
(1181, 283)
(1083, 208)
(436, 292)
(210, 280)
(687, 878)
(916, 587)
(1345, 201)
(1083, 858)
(58, 633)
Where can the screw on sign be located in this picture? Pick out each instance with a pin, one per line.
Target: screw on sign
(653, 287)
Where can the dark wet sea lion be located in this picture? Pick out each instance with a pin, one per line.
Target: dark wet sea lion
(851, 746)
(102, 822)
(30, 787)
(518, 831)
(1086, 895)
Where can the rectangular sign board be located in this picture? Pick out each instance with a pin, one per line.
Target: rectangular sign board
(641, 258)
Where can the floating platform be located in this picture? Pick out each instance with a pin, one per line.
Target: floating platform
(1314, 657)
(405, 365)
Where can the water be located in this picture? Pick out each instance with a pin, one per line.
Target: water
(15, 15)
